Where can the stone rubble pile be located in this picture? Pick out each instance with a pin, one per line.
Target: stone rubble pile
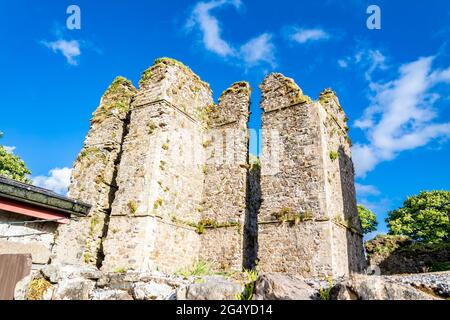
(69, 282)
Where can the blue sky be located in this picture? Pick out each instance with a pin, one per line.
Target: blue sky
(393, 83)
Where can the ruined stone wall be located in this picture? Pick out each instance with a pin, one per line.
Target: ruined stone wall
(93, 177)
(347, 250)
(167, 174)
(305, 184)
(225, 188)
(250, 241)
(16, 237)
(160, 175)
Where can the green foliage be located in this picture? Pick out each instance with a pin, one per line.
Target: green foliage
(334, 155)
(94, 222)
(368, 219)
(440, 266)
(207, 143)
(294, 218)
(212, 224)
(255, 163)
(12, 166)
(151, 127)
(325, 293)
(249, 288)
(132, 205)
(158, 203)
(117, 96)
(424, 248)
(86, 152)
(198, 269)
(120, 270)
(87, 257)
(240, 86)
(424, 217)
(386, 244)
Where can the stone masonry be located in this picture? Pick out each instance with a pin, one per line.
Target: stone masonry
(167, 173)
(94, 175)
(223, 207)
(307, 183)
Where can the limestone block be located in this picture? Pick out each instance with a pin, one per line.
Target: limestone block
(59, 272)
(74, 289)
(210, 288)
(360, 287)
(152, 291)
(40, 253)
(22, 287)
(105, 294)
(275, 286)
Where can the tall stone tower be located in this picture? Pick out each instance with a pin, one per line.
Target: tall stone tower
(167, 173)
(180, 198)
(94, 177)
(308, 221)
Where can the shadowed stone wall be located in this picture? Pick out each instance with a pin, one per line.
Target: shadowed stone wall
(224, 197)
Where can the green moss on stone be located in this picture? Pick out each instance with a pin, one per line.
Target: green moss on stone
(132, 205)
(116, 97)
(334, 155)
(289, 215)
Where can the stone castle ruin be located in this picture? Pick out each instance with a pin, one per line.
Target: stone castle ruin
(168, 175)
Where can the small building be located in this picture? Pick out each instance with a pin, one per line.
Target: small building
(29, 218)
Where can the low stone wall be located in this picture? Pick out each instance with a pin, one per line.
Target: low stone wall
(16, 237)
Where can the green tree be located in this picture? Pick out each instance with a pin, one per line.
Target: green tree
(368, 219)
(424, 217)
(12, 167)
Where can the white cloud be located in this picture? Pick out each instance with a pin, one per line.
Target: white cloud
(309, 35)
(363, 190)
(369, 59)
(252, 53)
(259, 49)
(9, 149)
(343, 63)
(69, 49)
(401, 115)
(210, 26)
(58, 180)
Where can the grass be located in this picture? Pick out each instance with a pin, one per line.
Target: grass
(198, 269)
(158, 203)
(292, 217)
(325, 293)
(132, 205)
(249, 287)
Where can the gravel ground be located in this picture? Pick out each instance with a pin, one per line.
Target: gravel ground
(439, 282)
